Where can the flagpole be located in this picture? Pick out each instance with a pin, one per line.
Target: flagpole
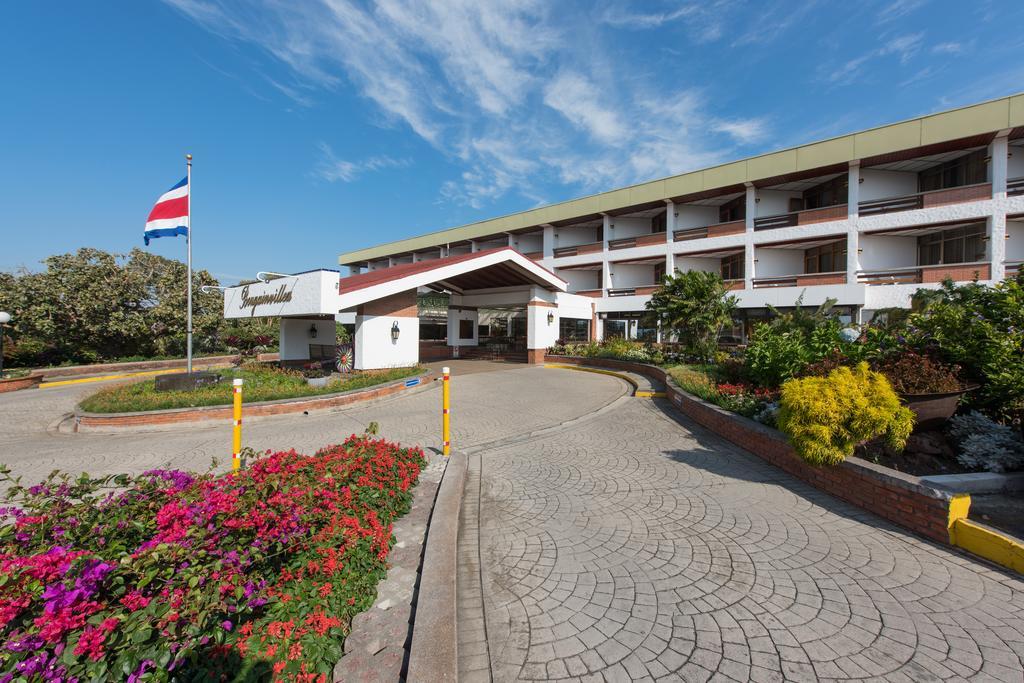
(188, 240)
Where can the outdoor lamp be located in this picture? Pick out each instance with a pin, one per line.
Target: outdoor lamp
(394, 331)
(551, 317)
(5, 318)
(312, 331)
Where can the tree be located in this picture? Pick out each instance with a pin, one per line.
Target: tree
(92, 305)
(694, 306)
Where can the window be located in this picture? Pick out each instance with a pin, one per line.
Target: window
(465, 329)
(659, 222)
(732, 267)
(828, 258)
(614, 328)
(970, 169)
(959, 245)
(483, 331)
(573, 329)
(659, 272)
(735, 210)
(433, 331)
(828, 193)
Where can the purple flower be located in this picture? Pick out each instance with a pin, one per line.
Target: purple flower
(226, 625)
(136, 675)
(16, 644)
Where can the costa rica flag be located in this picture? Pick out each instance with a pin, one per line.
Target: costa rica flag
(169, 216)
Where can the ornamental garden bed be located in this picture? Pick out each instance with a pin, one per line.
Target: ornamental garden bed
(262, 383)
(175, 575)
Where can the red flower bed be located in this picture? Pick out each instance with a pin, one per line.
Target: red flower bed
(173, 575)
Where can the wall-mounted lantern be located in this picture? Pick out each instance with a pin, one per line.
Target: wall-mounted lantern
(551, 317)
(394, 332)
(313, 331)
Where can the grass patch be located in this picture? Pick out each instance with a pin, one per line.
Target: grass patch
(261, 384)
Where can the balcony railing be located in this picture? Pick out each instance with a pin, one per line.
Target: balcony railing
(734, 284)
(1015, 187)
(716, 230)
(578, 249)
(534, 255)
(960, 272)
(804, 280)
(637, 241)
(1013, 268)
(924, 200)
(597, 293)
(805, 217)
(624, 243)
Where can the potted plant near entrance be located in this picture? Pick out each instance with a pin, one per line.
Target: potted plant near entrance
(315, 374)
(932, 390)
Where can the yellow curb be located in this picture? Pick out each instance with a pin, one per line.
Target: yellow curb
(102, 378)
(982, 540)
(626, 378)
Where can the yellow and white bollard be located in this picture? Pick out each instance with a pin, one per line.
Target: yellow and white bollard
(446, 417)
(236, 448)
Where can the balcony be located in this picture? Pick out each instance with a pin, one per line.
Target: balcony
(1015, 187)
(805, 217)
(1013, 268)
(590, 248)
(641, 290)
(731, 285)
(717, 230)
(805, 280)
(596, 293)
(638, 241)
(925, 200)
(960, 272)
(534, 255)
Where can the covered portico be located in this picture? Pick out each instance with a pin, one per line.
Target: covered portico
(386, 314)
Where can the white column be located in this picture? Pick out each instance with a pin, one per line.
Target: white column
(998, 152)
(670, 229)
(513, 241)
(549, 241)
(997, 242)
(606, 276)
(852, 215)
(606, 232)
(473, 247)
(749, 267)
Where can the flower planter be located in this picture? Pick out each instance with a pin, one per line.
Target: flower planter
(932, 410)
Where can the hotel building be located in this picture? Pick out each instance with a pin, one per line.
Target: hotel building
(865, 219)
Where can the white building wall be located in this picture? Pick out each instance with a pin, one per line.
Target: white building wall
(774, 202)
(1015, 241)
(374, 349)
(454, 316)
(580, 279)
(887, 251)
(695, 216)
(294, 336)
(630, 227)
(778, 262)
(708, 265)
(880, 184)
(632, 275)
(1015, 163)
(570, 237)
(530, 243)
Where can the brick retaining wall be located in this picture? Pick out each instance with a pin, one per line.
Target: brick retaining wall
(16, 383)
(898, 497)
(138, 366)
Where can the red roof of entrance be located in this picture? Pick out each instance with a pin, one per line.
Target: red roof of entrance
(374, 277)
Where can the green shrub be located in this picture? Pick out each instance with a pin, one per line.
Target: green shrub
(693, 306)
(827, 417)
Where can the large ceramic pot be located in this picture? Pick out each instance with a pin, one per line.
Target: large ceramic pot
(932, 410)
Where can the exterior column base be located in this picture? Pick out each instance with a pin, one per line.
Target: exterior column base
(535, 356)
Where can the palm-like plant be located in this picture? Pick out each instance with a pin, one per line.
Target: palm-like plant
(694, 306)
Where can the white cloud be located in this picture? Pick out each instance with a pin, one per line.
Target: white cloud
(898, 9)
(333, 169)
(905, 47)
(950, 48)
(620, 17)
(493, 85)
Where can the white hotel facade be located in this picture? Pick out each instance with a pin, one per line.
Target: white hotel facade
(865, 219)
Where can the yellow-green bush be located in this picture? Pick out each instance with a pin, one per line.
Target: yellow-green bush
(826, 417)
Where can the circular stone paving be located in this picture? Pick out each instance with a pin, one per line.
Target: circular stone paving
(629, 546)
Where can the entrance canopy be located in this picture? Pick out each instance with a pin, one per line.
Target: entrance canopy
(462, 274)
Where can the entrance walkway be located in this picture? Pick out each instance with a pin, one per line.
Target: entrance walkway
(629, 547)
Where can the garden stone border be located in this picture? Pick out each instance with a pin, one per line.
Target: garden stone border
(66, 371)
(172, 417)
(901, 498)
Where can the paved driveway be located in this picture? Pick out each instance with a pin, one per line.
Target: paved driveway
(629, 546)
(603, 540)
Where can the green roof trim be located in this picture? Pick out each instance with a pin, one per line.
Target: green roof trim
(975, 119)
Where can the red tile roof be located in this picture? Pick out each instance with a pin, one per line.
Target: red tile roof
(375, 277)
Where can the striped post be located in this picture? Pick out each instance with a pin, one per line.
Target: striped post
(446, 417)
(236, 448)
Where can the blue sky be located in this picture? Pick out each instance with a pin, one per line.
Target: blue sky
(324, 126)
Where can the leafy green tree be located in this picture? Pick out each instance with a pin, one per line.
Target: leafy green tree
(694, 306)
(980, 328)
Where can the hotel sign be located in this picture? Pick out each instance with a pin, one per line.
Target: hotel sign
(313, 293)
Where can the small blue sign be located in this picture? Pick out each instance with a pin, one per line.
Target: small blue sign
(412, 382)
